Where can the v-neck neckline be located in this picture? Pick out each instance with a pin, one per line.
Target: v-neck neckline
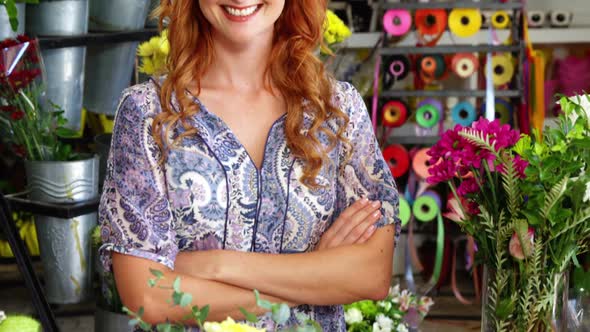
(227, 128)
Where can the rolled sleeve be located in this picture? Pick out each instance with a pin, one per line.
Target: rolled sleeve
(134, 212)
(364, 172)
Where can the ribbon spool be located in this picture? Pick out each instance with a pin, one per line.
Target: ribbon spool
(397, 67)
(536, 18)
(430, 23)
(464, 64)
(501, 20)
(398, 159)
(432, 67)
(503, 110)
(464, 22)
(420, 163)
(395, 113)
(427, 206)
(429, 113)
(560, 18)
(397, 22)
(502, 69)
(464, 114)
(405, 212)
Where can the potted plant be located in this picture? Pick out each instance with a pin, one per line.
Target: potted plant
(398, 312)
(525, 200)
(64, 65)
(55, 174)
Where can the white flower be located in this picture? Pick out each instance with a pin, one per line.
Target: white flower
(377, 328)
(587, 193)
(405, 300)
(394, 291)
(402, 328)
(353, 315)
(2, 316)
(385, 305)
(384, 321)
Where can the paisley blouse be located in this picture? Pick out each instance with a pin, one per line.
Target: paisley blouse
(209, 194)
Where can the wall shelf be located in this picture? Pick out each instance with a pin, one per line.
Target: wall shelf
(454, 4)
(449, 49)
(448, 93)
(48, 42)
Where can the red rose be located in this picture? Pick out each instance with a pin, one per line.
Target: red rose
(19, 150)
(17, 115)
(23, 38)
(7, 108)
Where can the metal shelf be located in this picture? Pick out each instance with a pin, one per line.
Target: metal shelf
(446, 49)
(64, 211)
(453, 4)
(413, 140)
(48, 42)
(447, 93)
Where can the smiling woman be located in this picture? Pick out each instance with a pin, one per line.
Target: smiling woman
(247, 167)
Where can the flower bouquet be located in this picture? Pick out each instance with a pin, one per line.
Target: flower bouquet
(525, 200)
(388, 315)
(33, 125)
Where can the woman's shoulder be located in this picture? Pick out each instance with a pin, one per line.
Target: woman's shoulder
(347, 98)
(143, 98)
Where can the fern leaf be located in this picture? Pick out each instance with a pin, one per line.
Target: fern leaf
(510, 184)
(553, 196)
(478, 138)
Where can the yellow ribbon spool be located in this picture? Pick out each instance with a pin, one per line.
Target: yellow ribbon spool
(501, 20)
(465, 22)
(502, 69)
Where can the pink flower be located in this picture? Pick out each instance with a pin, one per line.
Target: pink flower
(442, 172)
(515, 247)
(472, 208)
(405, 300)
(455, 213)
(424, 305)
(468, 186)
(502, 135)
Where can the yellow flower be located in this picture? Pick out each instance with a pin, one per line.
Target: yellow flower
(335, 31)
(147, 66)
(154, 54)
(229, 325)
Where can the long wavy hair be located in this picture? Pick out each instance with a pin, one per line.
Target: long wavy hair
(295, 72)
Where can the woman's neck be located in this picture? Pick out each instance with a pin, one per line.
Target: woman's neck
(239, 66)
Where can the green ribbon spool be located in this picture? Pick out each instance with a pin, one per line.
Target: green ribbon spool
(425, 208)
(404, 211)
(427, 116)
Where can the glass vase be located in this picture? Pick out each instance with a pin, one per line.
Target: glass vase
(514, 301)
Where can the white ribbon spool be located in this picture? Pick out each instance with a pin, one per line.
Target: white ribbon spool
(536, 18)
(560, 18)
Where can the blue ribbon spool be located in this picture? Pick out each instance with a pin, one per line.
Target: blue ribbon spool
(464, 114)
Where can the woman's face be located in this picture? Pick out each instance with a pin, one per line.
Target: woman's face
(242, 21)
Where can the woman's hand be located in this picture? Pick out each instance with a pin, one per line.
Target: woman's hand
(354, 225)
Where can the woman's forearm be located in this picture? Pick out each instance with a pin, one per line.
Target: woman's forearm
(335, 276)
(224, 300)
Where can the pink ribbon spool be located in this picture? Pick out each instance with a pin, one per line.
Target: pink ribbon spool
(397, 22)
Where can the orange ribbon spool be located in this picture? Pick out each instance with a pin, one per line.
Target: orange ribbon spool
(430, 23)
(420, 163)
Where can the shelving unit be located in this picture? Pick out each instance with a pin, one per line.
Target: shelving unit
(97, 38)
(454, 4)
(448, 93)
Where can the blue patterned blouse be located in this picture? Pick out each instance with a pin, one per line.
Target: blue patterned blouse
(209, 194)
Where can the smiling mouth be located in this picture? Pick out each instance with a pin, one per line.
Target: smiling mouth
(242, 12)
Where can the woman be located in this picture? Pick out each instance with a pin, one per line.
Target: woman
(247, 168)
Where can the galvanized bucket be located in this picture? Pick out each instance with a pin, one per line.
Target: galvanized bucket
(65, 245)
(152, 23)
(64, 66)
(5, 28)
(106, 321)
(109, 67)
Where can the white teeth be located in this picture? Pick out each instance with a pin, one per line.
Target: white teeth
(241, 12)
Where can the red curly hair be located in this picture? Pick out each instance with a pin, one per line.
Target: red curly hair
(295, 72)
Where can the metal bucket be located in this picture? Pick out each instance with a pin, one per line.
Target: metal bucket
(152, 23)
(66, 256)
(64, 244)
(64, 66)
(5, 28)
(109, 67)
(108, 72)
(117, 15)
(103, 145)
(106, 321)
(63, 181)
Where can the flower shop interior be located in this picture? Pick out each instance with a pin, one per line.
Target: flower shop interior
(478, 107)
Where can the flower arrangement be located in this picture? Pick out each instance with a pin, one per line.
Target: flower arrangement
(280, 313)
(34, 127)
(154, 54)
(386, 315)
(524, 199)
(335, 32)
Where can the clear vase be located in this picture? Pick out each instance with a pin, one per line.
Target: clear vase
(512, 301)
